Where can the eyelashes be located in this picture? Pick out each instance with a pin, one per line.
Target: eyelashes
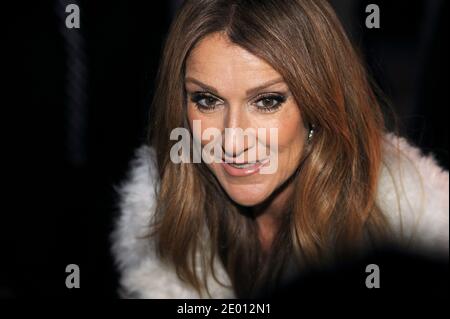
(205, 101)
(270, 102)
(265, 102)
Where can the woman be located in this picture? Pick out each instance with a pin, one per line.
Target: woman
(342, 184)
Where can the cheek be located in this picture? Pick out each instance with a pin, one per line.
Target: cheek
(203, 122)
(291, 136)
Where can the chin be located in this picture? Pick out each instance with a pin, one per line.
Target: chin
(248, 202)
(247, 198)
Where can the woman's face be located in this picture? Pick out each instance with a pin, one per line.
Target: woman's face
(228, 87)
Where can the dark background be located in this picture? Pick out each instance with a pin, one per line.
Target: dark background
(63, 159)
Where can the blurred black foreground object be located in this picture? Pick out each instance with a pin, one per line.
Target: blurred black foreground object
(403, 277)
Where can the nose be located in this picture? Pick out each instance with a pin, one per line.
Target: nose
(235, 124)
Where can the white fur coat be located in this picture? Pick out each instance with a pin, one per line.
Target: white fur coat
(413, 192)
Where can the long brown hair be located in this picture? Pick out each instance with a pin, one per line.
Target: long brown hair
(333, 207)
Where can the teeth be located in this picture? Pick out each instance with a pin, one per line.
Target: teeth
(242, 165)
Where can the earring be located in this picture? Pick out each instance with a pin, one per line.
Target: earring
(311, 132)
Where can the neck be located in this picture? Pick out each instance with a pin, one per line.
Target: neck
(268, 215)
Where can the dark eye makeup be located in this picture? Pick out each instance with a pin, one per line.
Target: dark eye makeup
(264, 102)
(269, 102)
(204, 100)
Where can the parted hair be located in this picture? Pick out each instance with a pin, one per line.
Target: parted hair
(332, 209)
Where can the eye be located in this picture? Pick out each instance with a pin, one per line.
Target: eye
(269, 102)
(205, 101)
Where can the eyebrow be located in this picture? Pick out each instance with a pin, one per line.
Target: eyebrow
(249, 91)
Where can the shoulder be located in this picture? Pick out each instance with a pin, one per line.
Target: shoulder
(142, 274)
(137, 196)
(413, 193)
(133, 253)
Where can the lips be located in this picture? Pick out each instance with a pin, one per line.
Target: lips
(243, 169)
(242, 165)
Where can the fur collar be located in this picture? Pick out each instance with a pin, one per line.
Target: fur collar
(413, 192)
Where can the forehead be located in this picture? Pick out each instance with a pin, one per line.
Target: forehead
(216, 57)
